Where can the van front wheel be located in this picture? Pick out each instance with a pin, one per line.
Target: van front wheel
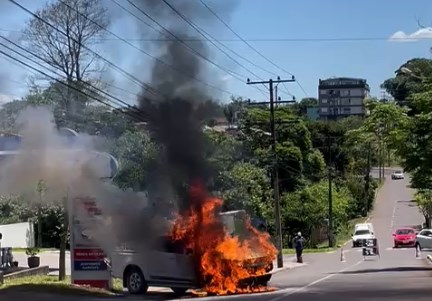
(135, 282)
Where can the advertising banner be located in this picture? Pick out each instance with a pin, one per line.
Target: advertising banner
(88, 261)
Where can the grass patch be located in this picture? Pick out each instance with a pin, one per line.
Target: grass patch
(51, 285)
(309, 251)
(22, 250)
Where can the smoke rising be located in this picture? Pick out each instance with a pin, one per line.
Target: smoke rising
(175, 116)
(71, 169)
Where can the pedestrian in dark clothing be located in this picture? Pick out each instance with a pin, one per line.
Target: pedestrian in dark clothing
(298, 242)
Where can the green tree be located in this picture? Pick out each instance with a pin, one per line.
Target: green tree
(307, 208)
(137, 156)
(246, 186)
(423, 198)
(404, 84)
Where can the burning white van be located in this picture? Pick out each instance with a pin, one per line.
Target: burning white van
(168, 263)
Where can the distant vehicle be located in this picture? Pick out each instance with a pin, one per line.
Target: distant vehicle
(404, 237)
(398, 175)
(170, 264)
(362, 232)
(424, 239)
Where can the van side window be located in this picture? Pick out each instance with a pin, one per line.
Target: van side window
(165, 244)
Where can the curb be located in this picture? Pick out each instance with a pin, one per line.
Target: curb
(285, 268)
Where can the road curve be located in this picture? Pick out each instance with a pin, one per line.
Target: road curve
(397, 275)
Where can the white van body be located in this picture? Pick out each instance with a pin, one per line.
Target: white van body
(361, 232)
(164, 263)
(163, 266)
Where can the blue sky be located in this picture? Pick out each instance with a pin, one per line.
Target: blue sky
(295, 21)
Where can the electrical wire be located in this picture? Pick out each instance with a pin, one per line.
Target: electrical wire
(235, 74)
(125, 73)
(92, 87)
(243, 40)
(158, 60)
(267, 40)
(63, 83)
(251, 47)
(206, 35)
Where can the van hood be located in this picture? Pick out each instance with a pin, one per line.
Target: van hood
(363, 236)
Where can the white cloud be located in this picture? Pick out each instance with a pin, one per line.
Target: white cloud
(421, 34)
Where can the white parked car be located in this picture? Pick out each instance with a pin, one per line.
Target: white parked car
(398, 175)
(424, 239)
(362, 232)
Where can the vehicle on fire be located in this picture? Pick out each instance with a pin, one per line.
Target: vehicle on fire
(169, 264)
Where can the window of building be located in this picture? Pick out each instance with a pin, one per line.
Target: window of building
(346, 110)
(323, 92)
(345, 92)
(324, 100)
(324, 110)
(346, 101)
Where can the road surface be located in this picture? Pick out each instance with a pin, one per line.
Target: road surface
(397, 275)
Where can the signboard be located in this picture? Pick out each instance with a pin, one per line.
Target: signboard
(88, 260)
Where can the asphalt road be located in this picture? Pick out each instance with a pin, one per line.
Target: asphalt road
(397, 275)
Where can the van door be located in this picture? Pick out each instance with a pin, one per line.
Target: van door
(170, 263)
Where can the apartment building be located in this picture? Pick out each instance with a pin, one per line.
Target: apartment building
(342, 97)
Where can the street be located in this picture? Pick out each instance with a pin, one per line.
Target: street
(397, 275)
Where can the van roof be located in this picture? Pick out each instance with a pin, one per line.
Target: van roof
(365, 225)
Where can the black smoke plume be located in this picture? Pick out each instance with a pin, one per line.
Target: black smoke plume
(176, 113)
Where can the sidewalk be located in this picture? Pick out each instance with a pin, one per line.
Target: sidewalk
(49, 258)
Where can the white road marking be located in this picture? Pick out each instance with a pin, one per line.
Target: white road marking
(399, 249)
(290, 291)
(393, 216)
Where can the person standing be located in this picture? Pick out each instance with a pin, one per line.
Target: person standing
(298, 242)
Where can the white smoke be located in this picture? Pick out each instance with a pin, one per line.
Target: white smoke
(71, 170)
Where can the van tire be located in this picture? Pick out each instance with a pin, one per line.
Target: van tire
(179, 291)
(135, 281)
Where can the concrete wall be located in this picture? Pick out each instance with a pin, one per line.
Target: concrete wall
(20, 235)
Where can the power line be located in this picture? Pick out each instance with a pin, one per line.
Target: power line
(265, 40)
(250, 46)
(235, 74)
(241, 39)
(133, 78)
(47, 62)
(62, 83)
(136, 110)
(205, 34)
(158, 60)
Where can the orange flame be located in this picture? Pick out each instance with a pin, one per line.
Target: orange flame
(225, 264)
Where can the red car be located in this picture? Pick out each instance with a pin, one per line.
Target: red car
(404, 237)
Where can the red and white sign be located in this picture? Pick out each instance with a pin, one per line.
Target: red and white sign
(88, 260)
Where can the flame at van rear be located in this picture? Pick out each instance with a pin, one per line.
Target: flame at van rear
(225, 264)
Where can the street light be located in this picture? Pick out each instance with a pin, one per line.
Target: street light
(408, 71)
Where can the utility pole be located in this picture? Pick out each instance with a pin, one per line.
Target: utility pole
(367, 180)
(275, 171)
(330, 197)
(330, 110)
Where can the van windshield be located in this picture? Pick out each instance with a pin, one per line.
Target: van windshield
(362, 232)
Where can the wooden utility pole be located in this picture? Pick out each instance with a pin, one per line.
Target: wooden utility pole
(275, 172)
(331, 114)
